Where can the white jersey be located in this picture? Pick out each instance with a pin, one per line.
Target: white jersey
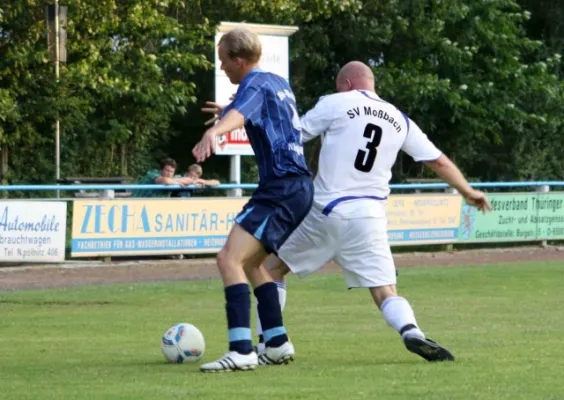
(361, 138)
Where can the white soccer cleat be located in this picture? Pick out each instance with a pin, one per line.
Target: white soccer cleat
(277, 355)
(232, 361)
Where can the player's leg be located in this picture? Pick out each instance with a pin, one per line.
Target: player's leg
(399, 315)
(277, 209)
(269, 309)
(289, 200)
(306, 250)
(241, 249)
(368, 263)
(396, 310)
(277, 270)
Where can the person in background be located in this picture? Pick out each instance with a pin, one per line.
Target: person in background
(195, 173)
(162, 176)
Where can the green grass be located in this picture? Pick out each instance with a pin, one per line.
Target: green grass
(505, 324)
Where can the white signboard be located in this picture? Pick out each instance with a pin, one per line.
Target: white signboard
(235, 142)
(32, 231)
(274, 59)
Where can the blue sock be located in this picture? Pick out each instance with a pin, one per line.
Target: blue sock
(238, 308)
(270, 315)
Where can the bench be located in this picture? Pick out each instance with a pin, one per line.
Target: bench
(423, 180)
(112, 180)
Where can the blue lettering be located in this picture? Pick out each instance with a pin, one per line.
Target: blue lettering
(194, 219)
(85, 222)
(111, 219)
(144, 221)
(230, 220)
(4, 223)
(213, 221)
(45, 225)
(98, 218)
(158, 222)
(124, 217)
(169, 227)
(180, 223)
(203, 222)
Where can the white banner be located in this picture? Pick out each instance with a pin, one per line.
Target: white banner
(235, 142)
(274, 59)
(32, 231)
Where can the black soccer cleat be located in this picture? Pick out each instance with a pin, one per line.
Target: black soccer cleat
(428, 349)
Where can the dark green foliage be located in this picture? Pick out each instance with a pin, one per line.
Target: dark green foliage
(483, 79)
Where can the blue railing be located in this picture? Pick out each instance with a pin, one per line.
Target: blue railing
(119, 187)
(408, 186)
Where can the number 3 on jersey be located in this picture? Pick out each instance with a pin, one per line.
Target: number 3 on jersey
(365, 159)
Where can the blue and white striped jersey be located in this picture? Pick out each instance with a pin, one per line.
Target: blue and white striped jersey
(272, 124)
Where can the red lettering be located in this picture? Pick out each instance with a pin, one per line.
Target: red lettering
(238, 136)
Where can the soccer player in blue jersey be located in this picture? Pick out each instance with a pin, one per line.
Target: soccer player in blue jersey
(265, 105)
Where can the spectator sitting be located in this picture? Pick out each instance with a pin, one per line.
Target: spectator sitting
(162, 176)
(195, 173)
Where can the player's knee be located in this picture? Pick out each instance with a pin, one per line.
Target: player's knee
(277, 274)
(381, 293)
(276, 267)
(224, 261)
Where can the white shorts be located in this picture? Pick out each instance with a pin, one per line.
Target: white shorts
(359, 245)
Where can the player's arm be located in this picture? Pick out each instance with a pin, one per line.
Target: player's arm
(420, 148)
(247, 105)
(231, 121)
(450, 173)
(208, 182)
(216, 109)
(163, 180)
(317, 120)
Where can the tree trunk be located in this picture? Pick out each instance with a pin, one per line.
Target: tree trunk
(123, 160)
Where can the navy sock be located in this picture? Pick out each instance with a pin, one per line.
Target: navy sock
(238, 308)
(270, 315)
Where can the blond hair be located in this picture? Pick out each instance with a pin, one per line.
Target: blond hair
(242, 43)
(196, 168)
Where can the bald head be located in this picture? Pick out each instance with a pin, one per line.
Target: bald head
(355, 75)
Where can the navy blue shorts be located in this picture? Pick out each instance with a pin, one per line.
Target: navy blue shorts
(275, 209)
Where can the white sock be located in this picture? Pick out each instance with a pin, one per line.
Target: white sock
(398, 314)
(282, 299)
(281, 294)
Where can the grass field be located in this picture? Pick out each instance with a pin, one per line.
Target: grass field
(505, 324)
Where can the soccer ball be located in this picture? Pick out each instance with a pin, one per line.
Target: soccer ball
(183, 343)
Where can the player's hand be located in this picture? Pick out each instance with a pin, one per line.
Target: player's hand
(216, 109)
(205, 147)
(212, 108)
(207, 182)
(479, 200)
(185, 181)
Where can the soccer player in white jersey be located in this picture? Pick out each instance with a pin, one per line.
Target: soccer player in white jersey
(361, 138)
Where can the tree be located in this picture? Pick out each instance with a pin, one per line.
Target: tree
(466, 72)
(129, 71)
(139, 71)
